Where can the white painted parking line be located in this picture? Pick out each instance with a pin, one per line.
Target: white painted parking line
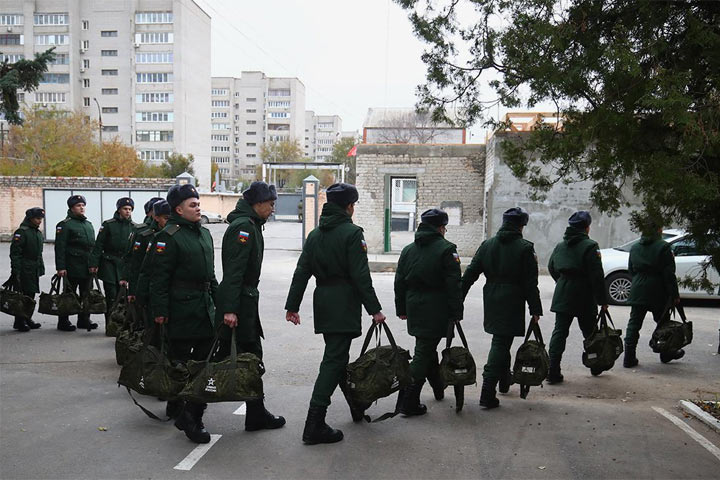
(194, 456)
(692, 433)
(240, 410)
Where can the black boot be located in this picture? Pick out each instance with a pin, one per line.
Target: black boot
(436, 382)
(488, 398)
(411, 405)
(31, 324)
(174, 408)
(670, 356)
(20, 325)
(258, 418)
(630, 360)
(190, 422)
(554, 374)
(65, 325)
(84, 322)
(356, 411)
(316, 430)
(505, 382)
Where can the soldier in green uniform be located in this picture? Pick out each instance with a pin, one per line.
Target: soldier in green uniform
(428, 294)
(577, 269)
(26, 262)
(74, 241)
(654, 287)
(139, 265)
(110, 248)
(335, 253)
(133, 256)
(183, 287)
(238, 296)
(510, 266)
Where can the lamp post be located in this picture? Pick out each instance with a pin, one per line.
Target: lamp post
(99, 118)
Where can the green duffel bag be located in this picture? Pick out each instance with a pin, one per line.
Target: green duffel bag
(117, 320)
(457, 365)
(378, 372)
(671, 335)
(129, 341)
(94, 300)
(531, 361)
(233, 379)
(15, 303)
(48, 303)
(603, 346)
(68, 301)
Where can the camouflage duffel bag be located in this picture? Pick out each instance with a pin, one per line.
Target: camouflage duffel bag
(48, 303)
(68, 302)
(127, 344)
(457, 365)
(117, 319)
(531, 361)
(94, 300)
(378, 372)
(233, 379)
(671, 335)
(15, 303)
(603, 346)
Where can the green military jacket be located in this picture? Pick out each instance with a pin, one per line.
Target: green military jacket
(335, 253)
(576, 266)
(242, 255)
(183, 280)
(510, 266)
(139, 246)
(652, 266)
(110, 248)
(428, 288)
(26, 262)
(74, 242)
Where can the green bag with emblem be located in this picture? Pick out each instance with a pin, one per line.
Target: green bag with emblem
(49, 301)
(603, 346)
(94, 301)
(457, 365)
(68, 301)
(378, 372)
(531, 361)
(117, 319)
(671, 335)
(15, 303)
(233, 379)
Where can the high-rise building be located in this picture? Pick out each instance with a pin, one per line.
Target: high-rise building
(322, 132)
(249, 111)
(141, 65)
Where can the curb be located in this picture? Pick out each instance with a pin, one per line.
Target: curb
(697, 412)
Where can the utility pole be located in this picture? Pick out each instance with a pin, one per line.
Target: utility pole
(99, 118)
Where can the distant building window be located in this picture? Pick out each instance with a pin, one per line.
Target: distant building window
(154, 37)
(279, 115)
(153, 17)
(51, 18)
(86, 101)
(49, 97)
(109, 91)
(154, 154)
(279, 104)
(160, 97)
(86, 83)
(220, 138)
(11, 57)
(251, 99)
(219, 148)
(12, 19)
(85, 44)
(279, 92)
(218, 92)
(61, 59)
(154, 57)
(85, 25)
(154, 116)
(109, 109)
(11, 39)
(154, 77)
(110, 128)
(55, 78)
(86, 63)
(251, 122)
(221, 126)
(250, 155)
(220, 103)
(109, 72)
(154, 135)
(219, 115)
(220, 159)
(251, 110)
(250, 133)
(251, 144)
(108, 53)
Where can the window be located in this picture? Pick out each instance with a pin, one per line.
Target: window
(325, 125)
(12, 39)
(61, 59)
(86, 101)
(11, 58)
(154, 37)
(220, 103)
(154, 57)
(250, 155)
(110, 128)
(279, 104)
(218, 115)
(279, 92)
(86, 63)
(108, 53)
(220, 159)
(55, 78)
(219, 148)
(160, 97)
(219, 92)
(108, 33)
(251, 144)
(51, 18)
(153, 17)
(85, 25)
(109, 109)
(110, 72)
(220, 138)
(109, 91)
(154, 135)
(154, 154)
(250, 133)
(12, 19)
(279, 115)
(251, 99)
(154, 116)
(85, 44)
(251, 122)
(237, 117)
(86, 83)
(154, 77)
(49, 97)
(221, 126)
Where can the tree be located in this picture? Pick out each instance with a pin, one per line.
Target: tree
(407, 127)
(637, 85)
(176, 163)
(281, 152)
(339, 155)
(21, 75)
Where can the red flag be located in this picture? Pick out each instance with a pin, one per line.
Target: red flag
(352, 152)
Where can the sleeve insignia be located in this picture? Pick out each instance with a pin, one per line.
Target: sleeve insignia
(363, 245)
(148, 247)
(17, 237)
(58, 229)
(456, 257)
(101, 228)
(160, 247)
(599, 255)
(136, 246)
(243, 237)
(536, 259)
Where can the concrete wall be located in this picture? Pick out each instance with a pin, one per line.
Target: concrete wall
(452, 176)
(222, 203)
(548, 218)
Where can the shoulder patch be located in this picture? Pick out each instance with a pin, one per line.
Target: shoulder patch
(58, 229)
(172, 229)
(159, 247)
(145, 232)
(17, 237)
(456, 257)
(24, 227)
(243, 237)
(363, 245)
(599, 255)
(102, 227)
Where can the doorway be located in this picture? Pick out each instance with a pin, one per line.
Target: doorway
(401, 212)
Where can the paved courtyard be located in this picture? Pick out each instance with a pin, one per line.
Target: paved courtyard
(63, 416)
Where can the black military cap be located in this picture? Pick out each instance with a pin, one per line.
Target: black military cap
(580, 219)
(125, 202)
(75, 199)
(259, 192)
(161, 207)
(179, 193)
(434, 217)
(342, 194)
(35, 212)
(149, 204)
(516, 216)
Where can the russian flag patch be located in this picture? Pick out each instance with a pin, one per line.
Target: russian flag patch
(456, 257)
(136, 246)
(160, 247)
(363, 244)
(243, 237)
(17, 237)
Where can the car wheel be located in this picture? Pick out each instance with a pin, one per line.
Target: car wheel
(618, 288)
(204, 220)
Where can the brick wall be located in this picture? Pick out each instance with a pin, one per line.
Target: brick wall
(448, 175)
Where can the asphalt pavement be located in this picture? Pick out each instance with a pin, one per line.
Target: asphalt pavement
(62, 414)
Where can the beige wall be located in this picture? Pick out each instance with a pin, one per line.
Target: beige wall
(222, 203)
(19, 200)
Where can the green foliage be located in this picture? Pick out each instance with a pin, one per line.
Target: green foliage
(21, 75)
(339, 155)
(281, 152)
(176, 164)
(637, 85)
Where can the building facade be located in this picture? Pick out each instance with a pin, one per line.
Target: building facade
(322, 132)
(141, 66)
(406, 126)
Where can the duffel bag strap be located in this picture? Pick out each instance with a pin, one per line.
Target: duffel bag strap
(368, 337)
(536, 330)
(96, 281)
(55, 285)
(607, 317)
(145, 410)
(461, 334)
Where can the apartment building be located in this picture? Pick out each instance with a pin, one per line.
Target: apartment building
(322, 132)
(247, 112)
(141, 66)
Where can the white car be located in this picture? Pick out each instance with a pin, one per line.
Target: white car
(209, 217)
(688, 262)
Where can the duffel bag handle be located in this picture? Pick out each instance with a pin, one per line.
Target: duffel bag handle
(451, 333)
(604, 317)
(96, 281)
(11, 284)
(378, 328)
(535, 329)
(669, 312)
(55, 285)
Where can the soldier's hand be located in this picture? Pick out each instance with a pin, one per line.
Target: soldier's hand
(536, 318)
(604, 308)
(93, 269)
(61, 273)
(402, 317)
(131, 298)
(160, 320)
(230, 319)
(378, 317)
(677, 301)
(124, 283)
(293, 317)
